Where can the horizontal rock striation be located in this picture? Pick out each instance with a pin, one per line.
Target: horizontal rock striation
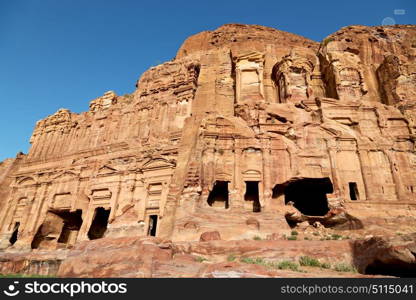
(248, 132)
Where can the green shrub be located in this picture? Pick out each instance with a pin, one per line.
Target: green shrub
(325, 265)
(282, 265)
(309, 261)
(294, 232)
(292, 238)
(286, 264)
(200, 259)
(257, 238)
(343, 267)
(231, 257)
(316, 233)
(336, 236)
(247, 260)
(254, 261)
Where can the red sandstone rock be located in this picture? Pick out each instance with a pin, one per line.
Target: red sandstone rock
(249, 131)
(378, 255)
(210, 236)
(147, 257)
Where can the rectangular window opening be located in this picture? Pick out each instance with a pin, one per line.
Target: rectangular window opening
(99, 224)
(353, 190)
(252, 194)
(15, 233)
(152, 225)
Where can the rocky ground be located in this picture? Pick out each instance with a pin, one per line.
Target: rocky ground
(296, 255)
(257, 152)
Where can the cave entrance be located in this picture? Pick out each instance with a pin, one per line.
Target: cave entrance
(308, 195)
(353, 190)
(15, 233)
(72, 224)
(59, 229)
(39, 237)
(398, 269)
(99, 224)
(152, 225)
(218, 197)
(252, 194)
(277, 191)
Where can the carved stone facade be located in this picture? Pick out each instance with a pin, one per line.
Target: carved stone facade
(249, 130)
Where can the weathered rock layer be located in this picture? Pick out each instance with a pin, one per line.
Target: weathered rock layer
(248, 131)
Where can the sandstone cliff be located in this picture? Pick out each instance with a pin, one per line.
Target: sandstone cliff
(249, 131)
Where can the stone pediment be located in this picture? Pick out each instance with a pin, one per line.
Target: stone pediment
(252, 175)
(106, 170)
(156, 164)
(223, 176)
(25, 181)
(65, 176)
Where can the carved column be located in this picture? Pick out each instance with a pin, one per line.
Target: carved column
(141, 197)
(115, 194)
(164, 196)
(236, 201)
(35, 214)
(336, 181)
(86, 221)
(398, 184)
(237, 84)
(265, 194)
(366, 173)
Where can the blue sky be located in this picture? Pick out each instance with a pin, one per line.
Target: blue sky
(62, 54)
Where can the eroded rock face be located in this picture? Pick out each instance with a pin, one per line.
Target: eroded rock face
(388, 256)
(246, 126)
(210, 236)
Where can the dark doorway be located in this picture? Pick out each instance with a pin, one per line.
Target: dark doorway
(398, 269)
(278, 190)
(353, 190)
(72, 223)
(13, 238)
(39, 237)
(218, 197)
(99, 224)
(252, 194)
(152, 225)
(59, 226)
(308, 195)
